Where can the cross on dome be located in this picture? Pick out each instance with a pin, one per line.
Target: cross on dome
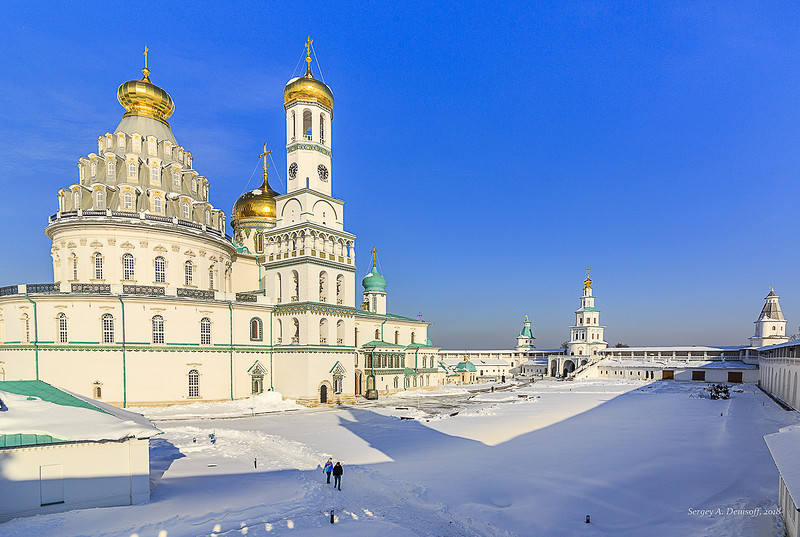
(264, 156)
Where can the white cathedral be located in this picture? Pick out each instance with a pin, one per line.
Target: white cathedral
(153, 303)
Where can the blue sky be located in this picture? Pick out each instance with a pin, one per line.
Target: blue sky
(490, 152)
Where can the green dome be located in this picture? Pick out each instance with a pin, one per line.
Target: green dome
(374, 282)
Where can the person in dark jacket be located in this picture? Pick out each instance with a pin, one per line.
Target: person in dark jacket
(337, 476)
(328, 469)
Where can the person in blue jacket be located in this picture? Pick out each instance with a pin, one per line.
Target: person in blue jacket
(328, 468)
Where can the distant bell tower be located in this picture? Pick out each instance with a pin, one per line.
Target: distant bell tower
(770, 326)
(586, 336)
(525, 337)
(309, 111)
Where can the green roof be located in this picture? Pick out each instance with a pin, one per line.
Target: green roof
(526, 331)
(14, 440)
(376, 343)
(45, 392)
(590, 308)
(466, 366)
(374, 282)
(408, 371)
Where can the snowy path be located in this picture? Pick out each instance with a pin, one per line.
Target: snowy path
(636, 457)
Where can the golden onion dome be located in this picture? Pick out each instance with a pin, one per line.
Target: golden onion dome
(308, 88)
(143, 98)
(258, 203)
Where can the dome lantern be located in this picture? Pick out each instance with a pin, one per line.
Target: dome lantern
(143, 98)
(308, 88)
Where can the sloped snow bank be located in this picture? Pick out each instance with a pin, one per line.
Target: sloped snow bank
(266, 402)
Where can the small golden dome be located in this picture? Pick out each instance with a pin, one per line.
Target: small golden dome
(308, 88)
(143, 98)
(258, 203)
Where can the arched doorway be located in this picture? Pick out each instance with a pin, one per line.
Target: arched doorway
(358, 383)
(569, 367)
(323, 394)
(553, 368)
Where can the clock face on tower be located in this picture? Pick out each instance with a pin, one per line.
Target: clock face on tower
(293, 170)
(323, 173)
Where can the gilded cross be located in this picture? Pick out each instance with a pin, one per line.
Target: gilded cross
(145, 56)
(308, 47)
(587, 271)
(264, 156)
(419, 316)
(374, 253)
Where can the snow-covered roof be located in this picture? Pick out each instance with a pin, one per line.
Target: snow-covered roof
(34, 412)
(784, 446)
(685, 348)
(675, 364)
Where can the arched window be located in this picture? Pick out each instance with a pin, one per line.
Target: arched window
(157, 205)
(259, 242)
(127, 200)
(296, 336)
(76, 200)
(151, 146)
(211, 278)
(396, 382)
(340, 289)
(99, 200)
(323, 331)
(93, 168)
(108, 328)
(307, 124)
(188, 272)
(194, 383)
(340, 332)
(375, 304)
(98, 266)
(185, 210)
(111, 167)
(75, 267)
(194, 184)
(158, 329)
(127, 267)
(355, 337)
(207, 220)
(205, 331)
(256, 332)
(396, 337)
(296, 284)
(413, 337)
(176, 179)
(294, 126)
(161, 271)
(323, 286)
(377, 334)
(26, 328)
(322, 128)
(62, 328)
(132, 169)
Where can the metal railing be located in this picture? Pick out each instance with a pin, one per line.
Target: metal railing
(96, 288)
(246, 297)
(9, 290)
(195, 293)
(43, 288)
(142, 216)
(143, 290)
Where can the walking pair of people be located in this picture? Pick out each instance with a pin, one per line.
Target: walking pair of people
(336, 470)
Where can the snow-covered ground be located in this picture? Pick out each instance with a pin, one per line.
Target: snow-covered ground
(641, 459)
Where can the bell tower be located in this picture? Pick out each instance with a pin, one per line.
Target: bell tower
(586, 336)
(309, 111)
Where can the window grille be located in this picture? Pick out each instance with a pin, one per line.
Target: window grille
(98, 266)
(127, 267)
(158, 329)
(194, 383)
(108, 328)
(188, 271)
(160, 269)
(205, 331)
(62, 328)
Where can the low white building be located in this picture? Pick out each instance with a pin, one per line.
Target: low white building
(784, 446)
(60, 451)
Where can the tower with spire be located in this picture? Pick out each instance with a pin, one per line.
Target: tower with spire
(770, 325)
(586, 336)
(374, 288)
(525, 337)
